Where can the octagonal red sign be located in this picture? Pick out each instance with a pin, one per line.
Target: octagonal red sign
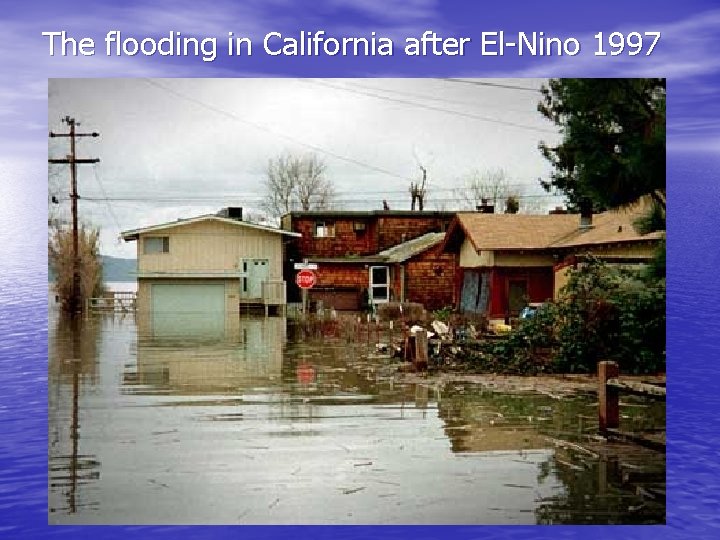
(305, 279)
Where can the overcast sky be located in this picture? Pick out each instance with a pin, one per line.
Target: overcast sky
(176, 148)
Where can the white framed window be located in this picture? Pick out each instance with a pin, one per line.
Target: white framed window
(379, 284)
(324, 229)
(156, 244)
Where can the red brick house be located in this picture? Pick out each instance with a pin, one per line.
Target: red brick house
(508, 260)
(372, 257)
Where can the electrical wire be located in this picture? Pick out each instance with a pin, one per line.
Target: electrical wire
(266, 129)
(462, 103)
(490, 84)
(102, 189)
(433, 108)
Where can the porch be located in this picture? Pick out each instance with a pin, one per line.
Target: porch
(273, 297)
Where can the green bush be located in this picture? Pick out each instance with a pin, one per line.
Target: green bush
(610, 313)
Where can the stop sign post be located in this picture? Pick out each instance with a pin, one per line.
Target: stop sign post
(305, 279)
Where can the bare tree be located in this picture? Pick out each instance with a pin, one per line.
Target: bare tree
(296, 182)
(491, 185)
(418, 191)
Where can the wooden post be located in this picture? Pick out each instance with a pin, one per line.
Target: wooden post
(608, 397)
(367, 322)
(421, 349)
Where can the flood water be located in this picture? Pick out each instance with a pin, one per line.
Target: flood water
(244, 422)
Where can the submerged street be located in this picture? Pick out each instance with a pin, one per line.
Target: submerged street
(246, 423)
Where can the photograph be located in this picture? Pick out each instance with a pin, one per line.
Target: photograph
(356, 301)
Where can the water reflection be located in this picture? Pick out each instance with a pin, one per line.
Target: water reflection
(247, 352)
(599, 483)
(72, 363)
(149, 424)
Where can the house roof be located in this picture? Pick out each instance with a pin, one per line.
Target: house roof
(339, 214)
(538, 232)
(407, 250)
(608, 228)
(512, 231)
(133, 234)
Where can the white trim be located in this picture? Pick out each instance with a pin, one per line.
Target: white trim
(132, 234)
(371, 286)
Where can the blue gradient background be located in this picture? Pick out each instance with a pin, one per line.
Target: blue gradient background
(688, 55)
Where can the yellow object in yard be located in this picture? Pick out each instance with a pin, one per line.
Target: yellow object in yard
(501, 328)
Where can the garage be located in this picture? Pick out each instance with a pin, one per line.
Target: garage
(188, 309)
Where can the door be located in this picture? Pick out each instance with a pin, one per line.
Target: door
(475, 291)
(379, 285)
(188, 310)
(254, 273)
(517, 295)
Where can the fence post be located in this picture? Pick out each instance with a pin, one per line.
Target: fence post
(608, 396)
(421, 349)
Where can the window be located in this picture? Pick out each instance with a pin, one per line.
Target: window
(379, 284)
(324, 229)
(156, 244)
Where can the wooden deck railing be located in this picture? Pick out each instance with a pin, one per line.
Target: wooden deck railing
(274, 292)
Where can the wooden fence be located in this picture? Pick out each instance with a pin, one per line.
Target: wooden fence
(122, 301)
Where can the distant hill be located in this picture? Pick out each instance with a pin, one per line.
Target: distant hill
(114, 269)
(117, 269)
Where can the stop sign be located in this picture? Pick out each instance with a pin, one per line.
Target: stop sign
(305, 279)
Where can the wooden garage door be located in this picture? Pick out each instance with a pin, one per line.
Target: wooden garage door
(190, 310)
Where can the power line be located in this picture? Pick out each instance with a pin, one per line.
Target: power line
(259, 200)
(266, 129)
(433, 108)
(463, 103)
(491, 84)
(260, 193)
(102, 189)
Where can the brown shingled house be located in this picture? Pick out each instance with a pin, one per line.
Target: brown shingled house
(372, 257)
(508, 260)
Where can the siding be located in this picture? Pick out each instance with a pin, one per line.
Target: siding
(211, 247)
(430, 279)
(524, 259)
(469, 258)
(381, 232)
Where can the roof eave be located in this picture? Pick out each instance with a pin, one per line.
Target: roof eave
(134, 234)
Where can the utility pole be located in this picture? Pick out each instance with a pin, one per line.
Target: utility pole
(72, 160)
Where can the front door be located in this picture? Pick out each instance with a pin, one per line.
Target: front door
(517, 295)
(254, 273)
(379, 284)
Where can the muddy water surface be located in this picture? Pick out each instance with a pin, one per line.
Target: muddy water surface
(249, 424)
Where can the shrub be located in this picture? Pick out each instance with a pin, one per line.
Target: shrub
(603, 313)
(60, 256)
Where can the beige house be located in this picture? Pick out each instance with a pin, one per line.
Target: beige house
(611, 237)
(210, 264)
